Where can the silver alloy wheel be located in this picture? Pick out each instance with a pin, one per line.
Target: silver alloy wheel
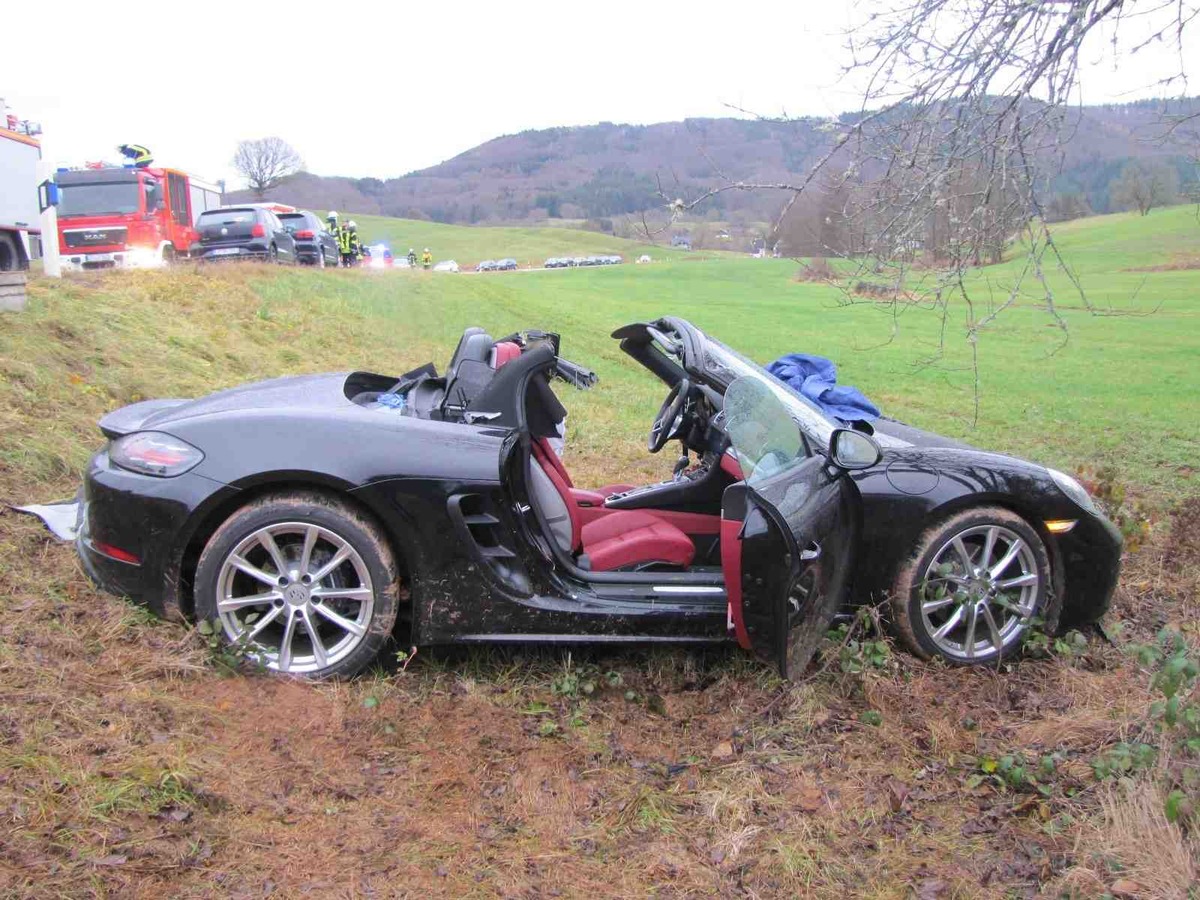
(297, 596)
(979, 592)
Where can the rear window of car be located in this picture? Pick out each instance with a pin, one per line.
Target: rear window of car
(226, 216)
(297, 219)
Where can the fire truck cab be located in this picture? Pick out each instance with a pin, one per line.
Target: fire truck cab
(124, 217)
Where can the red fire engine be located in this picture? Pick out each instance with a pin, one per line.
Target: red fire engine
(116, 217)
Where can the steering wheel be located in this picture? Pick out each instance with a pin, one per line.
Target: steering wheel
(661, 430)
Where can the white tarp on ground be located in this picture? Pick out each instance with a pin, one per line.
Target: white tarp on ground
(61, 518)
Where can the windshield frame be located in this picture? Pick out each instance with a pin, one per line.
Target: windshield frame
(723, 365)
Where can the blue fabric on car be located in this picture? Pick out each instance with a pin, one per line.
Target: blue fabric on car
(815, 377)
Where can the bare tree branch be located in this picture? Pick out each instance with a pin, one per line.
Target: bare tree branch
(966, 108)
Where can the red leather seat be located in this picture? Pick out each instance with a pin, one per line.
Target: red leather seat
(620, 539)
(630, 537)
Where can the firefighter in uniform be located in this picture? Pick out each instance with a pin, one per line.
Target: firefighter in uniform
(412, 258)
(138, 155)
(356, 244)
(426, 259)
(332, 226)
(346, 241)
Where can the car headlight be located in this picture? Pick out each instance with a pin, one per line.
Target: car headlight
(143, 258)
(154, 453)
(1073, 489)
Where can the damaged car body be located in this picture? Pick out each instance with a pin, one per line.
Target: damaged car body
(312, 518)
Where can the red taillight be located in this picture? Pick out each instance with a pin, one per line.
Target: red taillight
(116, 553)
(305, 235)
(258, 230)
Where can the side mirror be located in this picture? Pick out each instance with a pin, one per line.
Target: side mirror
(852, 450)
(48, 195)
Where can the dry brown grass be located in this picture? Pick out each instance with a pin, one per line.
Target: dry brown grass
(1180, 262)
(1155, 859)
(129, 767)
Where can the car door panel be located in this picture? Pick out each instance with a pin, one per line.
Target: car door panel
(790, 561)
(793, 523)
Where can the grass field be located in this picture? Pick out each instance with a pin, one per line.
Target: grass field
(1121, 393)
(467, 245)
(133, 765)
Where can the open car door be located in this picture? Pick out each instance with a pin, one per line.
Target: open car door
(787, 532)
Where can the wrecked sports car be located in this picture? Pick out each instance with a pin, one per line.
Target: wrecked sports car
(311, 519)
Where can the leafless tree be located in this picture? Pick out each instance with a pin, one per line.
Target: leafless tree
(966, 104)
(1145, 185)
(265, 162)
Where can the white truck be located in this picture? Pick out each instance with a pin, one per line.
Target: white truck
(20, 216)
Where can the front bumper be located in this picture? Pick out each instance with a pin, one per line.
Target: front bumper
(1090, 557)
(128, 258)
(149, 519)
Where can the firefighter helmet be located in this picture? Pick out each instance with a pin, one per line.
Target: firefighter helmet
(351, 225)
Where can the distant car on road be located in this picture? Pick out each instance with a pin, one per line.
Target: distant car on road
(315, 246)
(644, 258)
(446, 265)
(243, 232)
(554, 263)
(488, 265)
(506, 265)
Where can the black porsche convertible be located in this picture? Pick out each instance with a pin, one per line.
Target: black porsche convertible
(310, 519)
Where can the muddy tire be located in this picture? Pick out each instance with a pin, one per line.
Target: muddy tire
(971, 587)
(302, 583)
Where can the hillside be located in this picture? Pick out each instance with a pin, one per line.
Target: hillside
(605, 170)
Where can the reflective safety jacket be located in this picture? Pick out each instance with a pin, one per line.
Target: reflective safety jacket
(426, 258)
(346, 241)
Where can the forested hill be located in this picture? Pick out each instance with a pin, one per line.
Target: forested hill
(603, 170)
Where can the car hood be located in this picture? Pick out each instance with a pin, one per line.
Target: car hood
(893, 435)
(292, 392)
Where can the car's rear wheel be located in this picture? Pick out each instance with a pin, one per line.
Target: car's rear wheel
(320, 257)
(273, 255)
(972, 587)
(301, 583)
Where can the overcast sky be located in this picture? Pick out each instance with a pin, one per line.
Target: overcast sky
(385, 88)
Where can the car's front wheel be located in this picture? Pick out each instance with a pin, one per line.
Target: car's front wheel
(301, 583)
(972, 587)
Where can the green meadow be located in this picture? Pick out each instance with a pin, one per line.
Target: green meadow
(1118, 388)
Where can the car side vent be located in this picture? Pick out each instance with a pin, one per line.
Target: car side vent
(486, 539)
